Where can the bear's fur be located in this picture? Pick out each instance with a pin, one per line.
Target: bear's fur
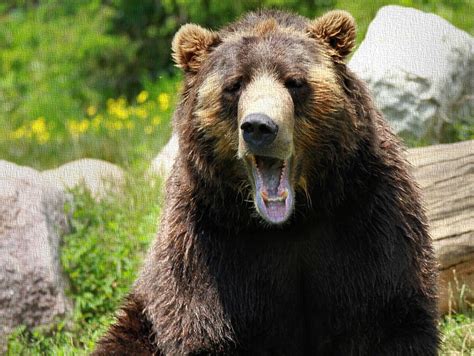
(349, 272)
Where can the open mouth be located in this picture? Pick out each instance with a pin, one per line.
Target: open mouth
(273, 194)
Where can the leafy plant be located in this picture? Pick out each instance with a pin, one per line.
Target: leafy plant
(100, 258)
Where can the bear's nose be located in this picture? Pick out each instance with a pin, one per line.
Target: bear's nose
(259, 130)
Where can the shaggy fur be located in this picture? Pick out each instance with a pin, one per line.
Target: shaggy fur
(351, 273)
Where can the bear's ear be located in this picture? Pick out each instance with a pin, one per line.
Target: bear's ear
(337, 29)
(191, 45)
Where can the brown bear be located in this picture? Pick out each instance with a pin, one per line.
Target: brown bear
(292, 225)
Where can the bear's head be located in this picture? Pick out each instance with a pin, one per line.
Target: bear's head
(267, 106)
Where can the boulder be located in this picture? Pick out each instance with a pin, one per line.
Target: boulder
(420, 69)
(163, 162)
(32, 219)
(97, 176)
(445, 174)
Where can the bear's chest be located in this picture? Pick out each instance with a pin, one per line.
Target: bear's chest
(290, 292)
(260, 293)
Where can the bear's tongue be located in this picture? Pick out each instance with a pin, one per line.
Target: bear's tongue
(273, 193)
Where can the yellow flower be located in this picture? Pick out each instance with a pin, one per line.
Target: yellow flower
(110, 102)
(43, 138)
(149, 130)
(83, 126)
(91, 110)
(141, 113)
(117, 125)
(156, 120)
(164, 101)
(142, 97)
(18, 133)
(118, 108)
(38, 126)
(122, 113)
(122, 101)
(77, 128)
(72, 127)
(97, 121)
(118, 111)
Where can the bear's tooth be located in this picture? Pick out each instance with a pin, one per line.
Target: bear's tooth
(284, 194)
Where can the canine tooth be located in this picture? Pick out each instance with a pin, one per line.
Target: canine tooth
(284, 194)
(254, 160)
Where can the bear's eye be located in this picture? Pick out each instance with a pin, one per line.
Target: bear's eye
(234, 87)
(294, 83)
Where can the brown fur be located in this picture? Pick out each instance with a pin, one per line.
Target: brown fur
(338, 30)
(351, 273)
(191, 45)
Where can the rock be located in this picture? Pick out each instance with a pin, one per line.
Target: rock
(163, 162)
(97, 176)
(446, 175)
(32, 219)
(420, 69)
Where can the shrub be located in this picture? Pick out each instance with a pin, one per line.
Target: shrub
(100, 258)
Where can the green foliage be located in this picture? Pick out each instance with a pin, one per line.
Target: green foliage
(459, 131)
(100, 258)
(457, 334)
(58, 58)
(55, 60)
(151, 24)
(118, 131)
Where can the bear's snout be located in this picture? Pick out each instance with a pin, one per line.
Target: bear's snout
(266, 118)
(258, 131)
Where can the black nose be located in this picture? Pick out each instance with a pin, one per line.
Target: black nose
(259, 130)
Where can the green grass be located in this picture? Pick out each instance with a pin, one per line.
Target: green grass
(101, 258)
(121, 131)
(458, 335)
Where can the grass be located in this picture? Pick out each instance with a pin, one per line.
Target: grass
(126, 132)
(458, 335)
(101, 258)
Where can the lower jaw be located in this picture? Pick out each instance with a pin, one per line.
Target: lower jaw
(273, 203)
(274, 212)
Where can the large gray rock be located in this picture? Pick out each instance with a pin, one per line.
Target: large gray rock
(32, 219)
(97, 176)
(163, 162)
(420, 69)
